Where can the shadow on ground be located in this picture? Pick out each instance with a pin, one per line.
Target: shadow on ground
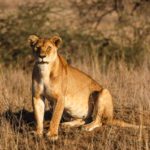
(105, 137)
(23, 119)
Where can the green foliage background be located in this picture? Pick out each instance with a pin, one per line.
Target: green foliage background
(34, 19)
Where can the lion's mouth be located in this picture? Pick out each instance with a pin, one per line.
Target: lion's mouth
(43, 62)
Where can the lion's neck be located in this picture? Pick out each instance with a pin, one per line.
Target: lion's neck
(49, 70)
(55, 68)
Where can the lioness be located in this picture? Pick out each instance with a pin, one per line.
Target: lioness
(69, 89)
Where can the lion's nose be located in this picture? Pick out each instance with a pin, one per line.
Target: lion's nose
(42, 56)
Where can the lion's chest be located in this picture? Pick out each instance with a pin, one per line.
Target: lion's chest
(47, 86)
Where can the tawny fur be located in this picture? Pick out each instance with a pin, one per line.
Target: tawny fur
(68, 88)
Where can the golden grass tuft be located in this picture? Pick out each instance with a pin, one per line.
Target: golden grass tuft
(130, 90)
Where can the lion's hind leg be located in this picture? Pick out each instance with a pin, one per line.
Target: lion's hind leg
(74, 123)
(103, 107)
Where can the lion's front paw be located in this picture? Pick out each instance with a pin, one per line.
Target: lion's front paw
(52, 137)
(37, 135)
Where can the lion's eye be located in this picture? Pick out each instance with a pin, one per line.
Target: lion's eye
(49, 48)
(35, 48)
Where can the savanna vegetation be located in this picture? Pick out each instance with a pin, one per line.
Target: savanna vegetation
(109, 40)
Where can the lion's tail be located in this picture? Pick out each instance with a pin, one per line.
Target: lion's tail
(121, 123)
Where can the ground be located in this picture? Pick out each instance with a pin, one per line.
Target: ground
(130, 90)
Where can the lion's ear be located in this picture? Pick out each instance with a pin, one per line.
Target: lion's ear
(33, 40)
(56, 40)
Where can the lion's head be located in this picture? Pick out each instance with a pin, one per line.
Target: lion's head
(44, 49)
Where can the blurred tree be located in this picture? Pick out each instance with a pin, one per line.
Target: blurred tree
(92, 12)
(131, 28)
(86, 38)
(15, 29)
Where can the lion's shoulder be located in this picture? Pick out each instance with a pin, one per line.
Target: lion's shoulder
(63, 60)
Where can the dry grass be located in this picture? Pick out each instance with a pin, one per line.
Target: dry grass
(130, 90)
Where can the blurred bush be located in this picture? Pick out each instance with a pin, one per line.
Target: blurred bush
(77, 45)
(15, 30)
